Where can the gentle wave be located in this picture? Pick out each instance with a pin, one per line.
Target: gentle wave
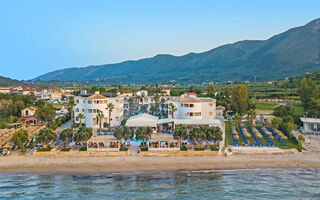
(202, 184)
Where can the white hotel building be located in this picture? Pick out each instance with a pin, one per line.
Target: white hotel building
(191, 111)
(90, 105)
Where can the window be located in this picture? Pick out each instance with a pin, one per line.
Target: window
(77, 109)
(117, 101)
(117, 118)
(95, 121)
(77, 118)
(82, 110)
(210, 104)
(84, 101)
(105, 101)
(94, 110)
(210, 113)
(89, 101)
(191, 105)
(77, 101)
(89, 110)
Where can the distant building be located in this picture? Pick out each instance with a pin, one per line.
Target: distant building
(310, 125)
(219, 111)
(166, 91)
(29, 115)
(5, 90)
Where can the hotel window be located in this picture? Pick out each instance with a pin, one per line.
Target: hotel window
(94, 110)
(197, 114)
(117, 118)
(77, 110)
(77, 101)
(89, 110)
(191, 105)
(210, 104)
(84, 101)
(95, 121)
(89, 101)
(77, 118)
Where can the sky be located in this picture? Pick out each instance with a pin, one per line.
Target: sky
(39, 36)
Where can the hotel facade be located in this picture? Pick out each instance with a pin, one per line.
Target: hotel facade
(91, 105)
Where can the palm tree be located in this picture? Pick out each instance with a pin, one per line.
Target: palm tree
(100, 116)
(156, 100)
(110, 107)
(153, 109)
(180, 132)
(251, 115)
(162, 104)
(81, 117)
(71, 104)
(236, 120)
(172, 109)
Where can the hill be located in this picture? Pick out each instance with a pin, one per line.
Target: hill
(4, 82)
(290, 53)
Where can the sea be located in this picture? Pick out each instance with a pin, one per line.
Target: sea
(212, 184)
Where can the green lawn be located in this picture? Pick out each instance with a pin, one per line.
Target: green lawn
(265, 106)
(228, 139)
(269, 106)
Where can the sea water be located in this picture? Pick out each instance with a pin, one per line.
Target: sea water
(215, 184)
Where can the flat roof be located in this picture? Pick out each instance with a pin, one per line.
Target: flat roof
(310, 120)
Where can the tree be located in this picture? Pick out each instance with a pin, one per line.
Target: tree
(143, 108)
(71, 104)
(110, 108)
(307, 90)
(46, 113)
(46, 136)
(120, 88)
(172, 109)
(252, 104)
(276, 122)
(123, 133)
(211, 89)
(181, 133)
(19, 138)
(100, 116)
(240, 98)
(66, 134)
(156, 99)
(143, 133)
(283, 111)
(81, 117)
(163, 101)
(83, 134)
(153, 109)
(236, 120)
(251, 116)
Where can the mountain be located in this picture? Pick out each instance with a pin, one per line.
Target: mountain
(290, 53)
(4, 82)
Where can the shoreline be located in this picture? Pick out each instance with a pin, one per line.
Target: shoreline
(129, 164)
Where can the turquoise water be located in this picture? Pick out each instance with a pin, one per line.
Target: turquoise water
(224, 184)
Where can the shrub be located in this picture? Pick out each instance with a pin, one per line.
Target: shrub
(83, 149)
(44, 149)
(214, 148)
(124, 149)
(301, 138)
(199, 149)
(65, 149)
(299, 147)
(143, 149)
(183, 148)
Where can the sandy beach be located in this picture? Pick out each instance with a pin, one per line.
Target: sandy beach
(109, 164)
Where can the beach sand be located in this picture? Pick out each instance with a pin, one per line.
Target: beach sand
(108, 164)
